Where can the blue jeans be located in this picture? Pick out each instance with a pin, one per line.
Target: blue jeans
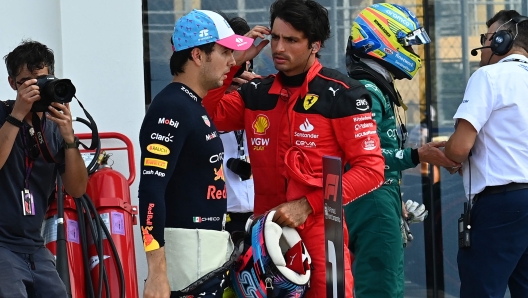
(498, 256)
(29, 276)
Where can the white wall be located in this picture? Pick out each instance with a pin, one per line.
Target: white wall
(98, 44)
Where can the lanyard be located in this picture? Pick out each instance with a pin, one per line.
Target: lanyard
(239, 134)
(28, 161)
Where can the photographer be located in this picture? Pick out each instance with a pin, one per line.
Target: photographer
(491, 140)
(27, 180)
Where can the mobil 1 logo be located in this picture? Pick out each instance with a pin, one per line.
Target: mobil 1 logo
(333, 225)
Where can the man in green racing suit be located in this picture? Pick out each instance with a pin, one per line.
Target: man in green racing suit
(376, 57)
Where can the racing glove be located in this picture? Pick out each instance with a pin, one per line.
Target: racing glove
(415, 212)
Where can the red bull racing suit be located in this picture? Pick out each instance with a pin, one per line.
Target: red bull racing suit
(326, 114)
(182, 180)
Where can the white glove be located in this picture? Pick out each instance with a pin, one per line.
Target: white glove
(416, 212)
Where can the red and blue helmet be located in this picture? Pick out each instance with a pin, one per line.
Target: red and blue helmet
(273, 263)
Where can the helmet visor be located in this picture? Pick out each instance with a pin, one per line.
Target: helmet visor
(417, 37)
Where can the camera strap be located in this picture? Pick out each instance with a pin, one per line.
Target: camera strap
(39, 127)
(92, 126)
(239, 134)
(40, 138)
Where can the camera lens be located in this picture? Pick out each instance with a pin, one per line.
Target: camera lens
(61, 90)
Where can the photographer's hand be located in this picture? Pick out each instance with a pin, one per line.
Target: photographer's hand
(27, 94)
(61, 115)
(75, 177)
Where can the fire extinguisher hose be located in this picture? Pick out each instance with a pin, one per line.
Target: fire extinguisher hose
(84, 240)
(96, 231)
(87, 213)
(102, 225)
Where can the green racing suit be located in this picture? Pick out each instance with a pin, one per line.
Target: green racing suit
(374, 219)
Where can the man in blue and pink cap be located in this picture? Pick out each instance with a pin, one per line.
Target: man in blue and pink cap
(182, 196)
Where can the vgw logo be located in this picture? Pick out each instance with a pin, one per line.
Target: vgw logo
(259, 144)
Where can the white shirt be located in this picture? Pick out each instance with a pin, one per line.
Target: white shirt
(240, 194)
(496, 104)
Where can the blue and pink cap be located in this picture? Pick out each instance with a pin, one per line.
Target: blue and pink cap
(203, 26)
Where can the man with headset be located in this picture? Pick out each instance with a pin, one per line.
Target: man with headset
(490, 140)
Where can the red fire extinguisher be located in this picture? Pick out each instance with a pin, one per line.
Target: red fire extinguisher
(97, 235)
(73, 242)
(109, 191)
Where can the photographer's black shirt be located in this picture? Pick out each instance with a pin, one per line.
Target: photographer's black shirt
(182, 176)
(18, 232)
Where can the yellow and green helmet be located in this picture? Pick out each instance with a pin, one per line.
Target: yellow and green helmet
(385, 32)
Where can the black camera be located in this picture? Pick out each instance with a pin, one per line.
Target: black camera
(52, 90)
(464, 229)
(240, 167)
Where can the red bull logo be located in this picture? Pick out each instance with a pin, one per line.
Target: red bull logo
(219, 174)
(214, 193)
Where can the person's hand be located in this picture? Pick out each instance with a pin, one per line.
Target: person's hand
(61, 115)
(157, 286)
(257, 31)
(430, 153)
(455, 169)
(27, 94)
(416, 212)
(245, 77)
(292, 214)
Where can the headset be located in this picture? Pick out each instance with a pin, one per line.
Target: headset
(315, 47)
(502, 41)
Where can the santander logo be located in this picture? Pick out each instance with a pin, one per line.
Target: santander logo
(306, 126)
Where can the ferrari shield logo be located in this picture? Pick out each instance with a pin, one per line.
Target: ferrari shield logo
(309, 100)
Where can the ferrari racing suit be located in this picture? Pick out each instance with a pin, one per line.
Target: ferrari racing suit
(327, 114)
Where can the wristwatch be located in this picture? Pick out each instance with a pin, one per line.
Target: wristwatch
(73, 145)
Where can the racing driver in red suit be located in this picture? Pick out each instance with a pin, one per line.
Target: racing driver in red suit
(293, 119)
